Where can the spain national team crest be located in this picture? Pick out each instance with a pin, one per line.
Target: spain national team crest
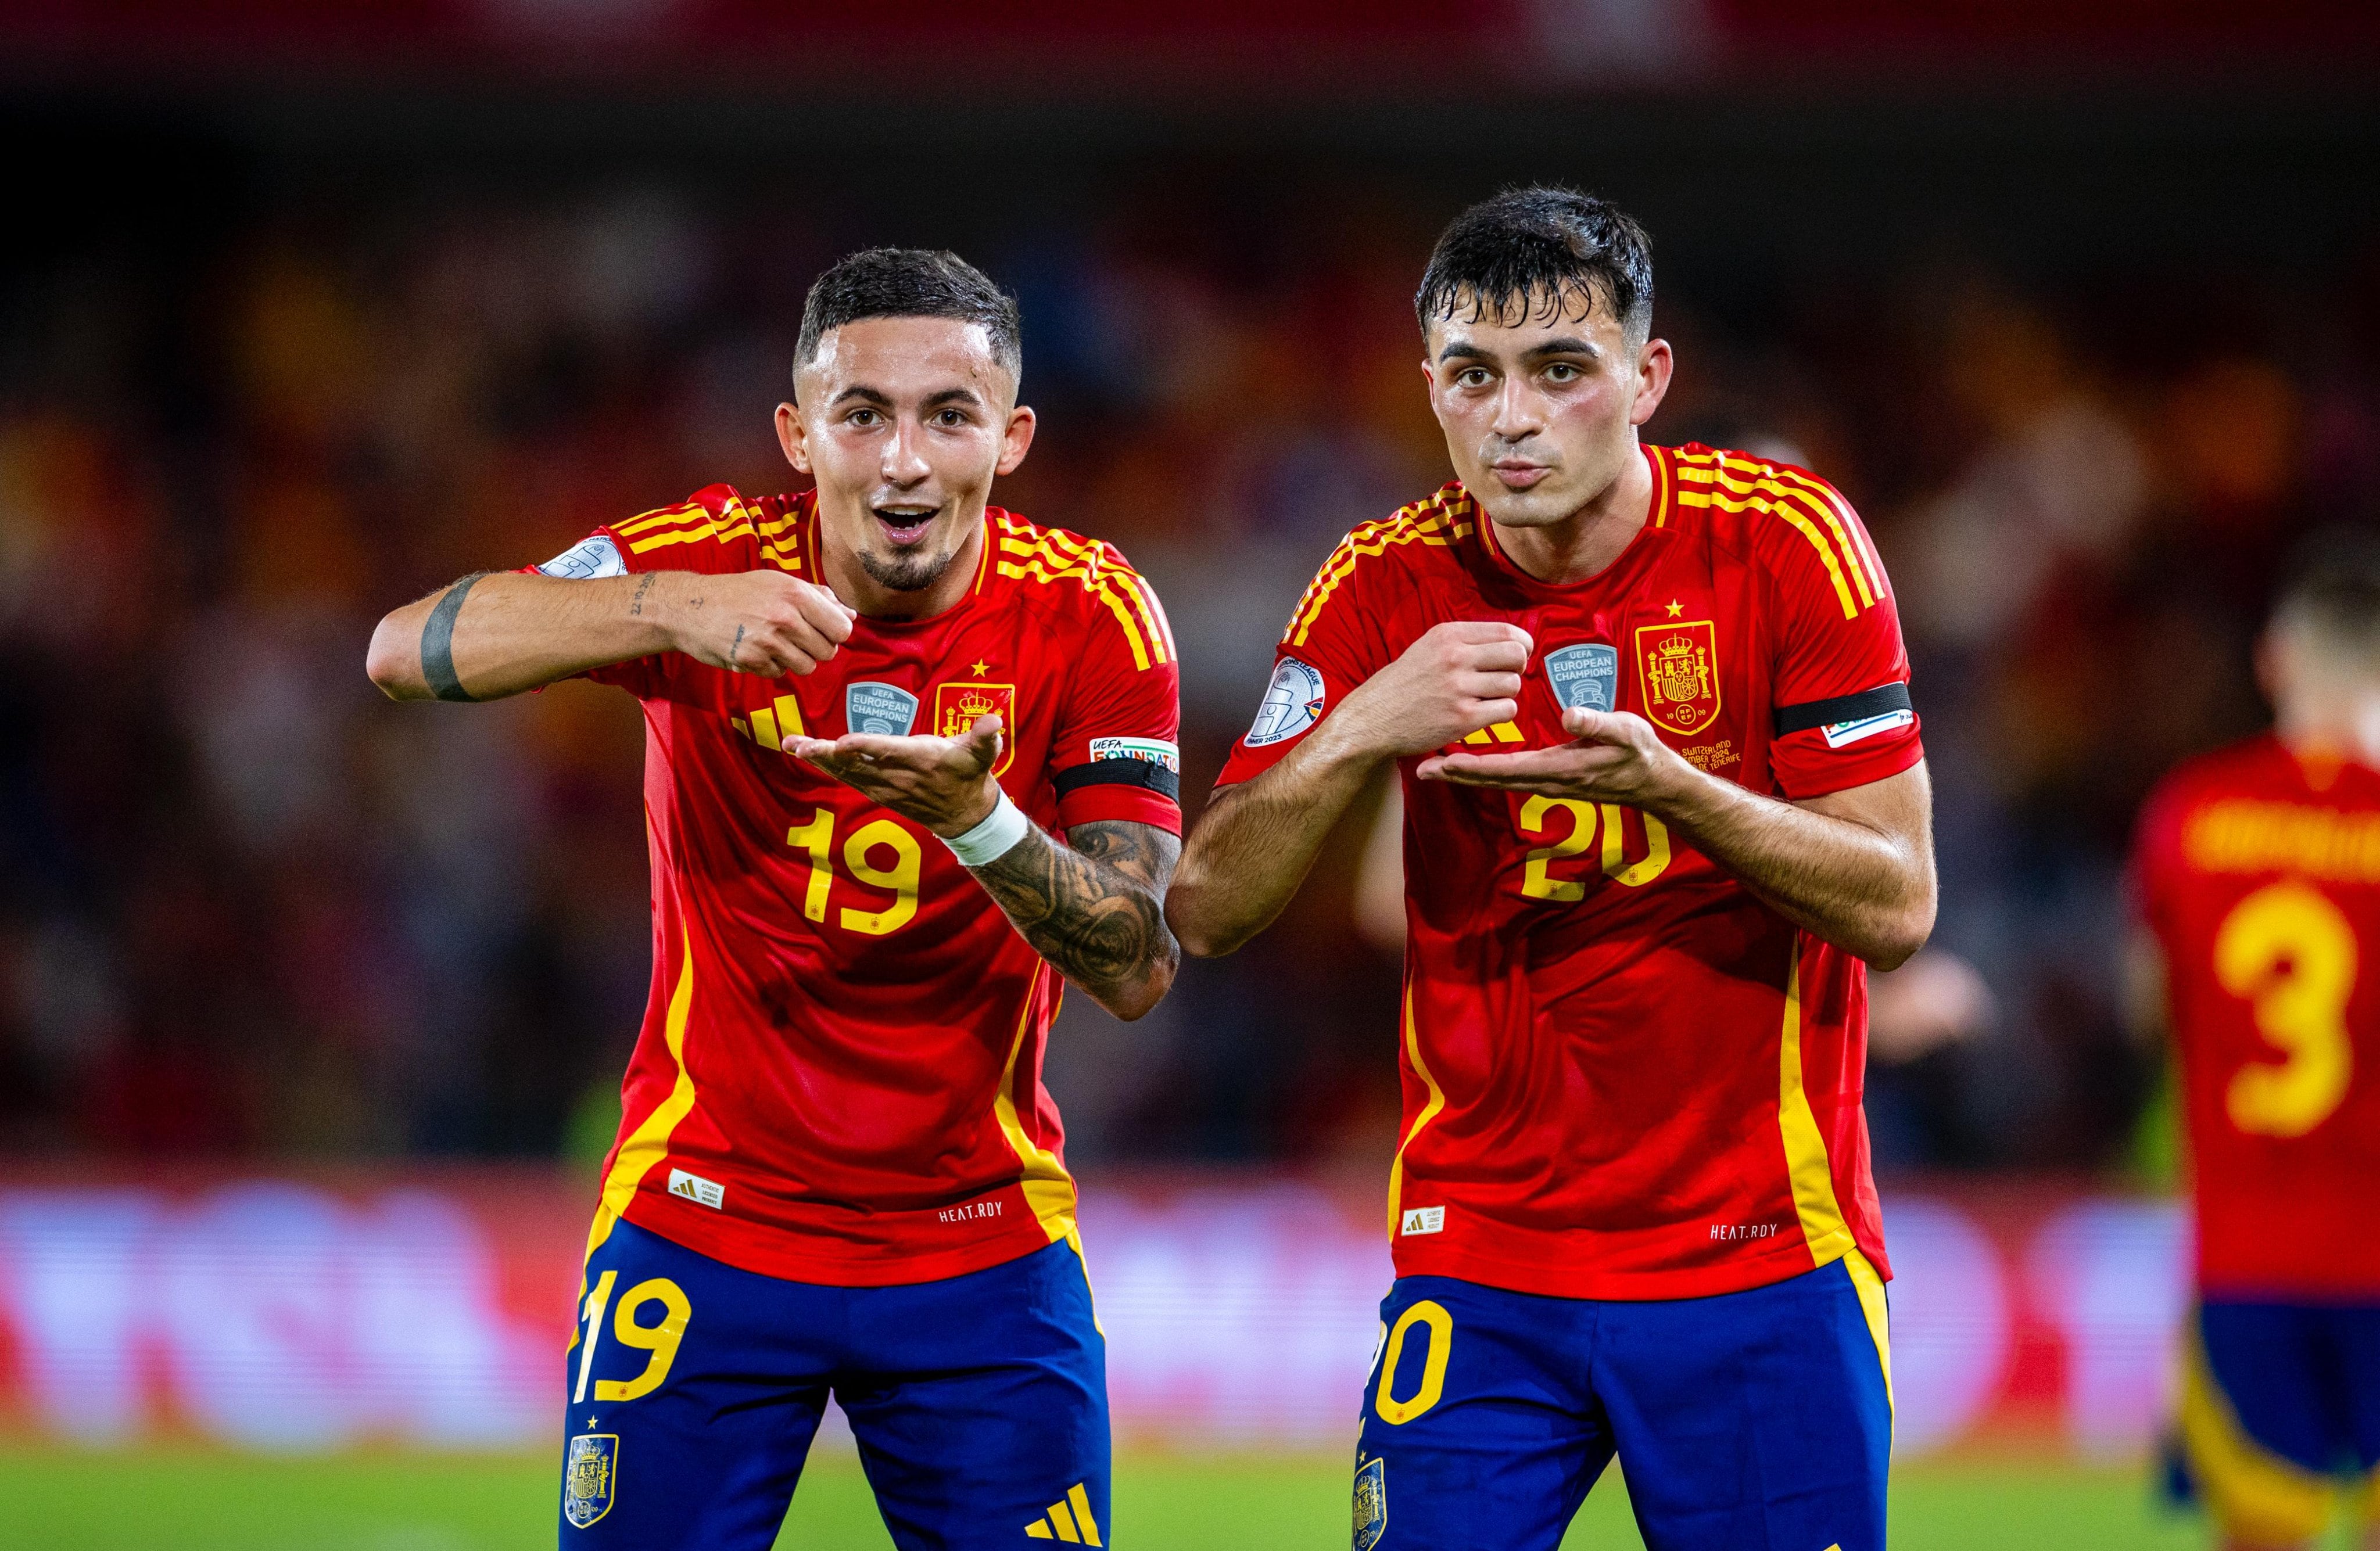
(957, 706)
(1371, 1504)
(1679, 670)
(590, 1477)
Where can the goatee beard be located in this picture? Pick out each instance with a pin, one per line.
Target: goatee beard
(906, 573)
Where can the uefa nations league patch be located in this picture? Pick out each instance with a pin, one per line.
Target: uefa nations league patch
(590, 1477)
(1371, 1504)
(1293, 702)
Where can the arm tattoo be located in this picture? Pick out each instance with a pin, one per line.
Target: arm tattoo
(1094, 905)
(438, 643)
(637, 603)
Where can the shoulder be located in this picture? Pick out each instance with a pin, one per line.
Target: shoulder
(1081, 582)
(716, 519)
(1778, 518)
(1415, 537)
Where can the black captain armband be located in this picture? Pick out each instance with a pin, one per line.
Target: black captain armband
(1128, 770)
(1883, 700)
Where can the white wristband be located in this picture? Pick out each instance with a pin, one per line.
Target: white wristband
(992, 838)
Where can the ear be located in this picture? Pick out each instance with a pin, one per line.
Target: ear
(1017, 440)
(1653, 365)
(793, 437)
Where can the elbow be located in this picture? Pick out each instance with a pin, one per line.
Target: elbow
(1899, 935)
(389, 661)
(1200, 936)
(1134, 1001)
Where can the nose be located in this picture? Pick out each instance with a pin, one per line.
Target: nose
(905, 456)
(1519, 410)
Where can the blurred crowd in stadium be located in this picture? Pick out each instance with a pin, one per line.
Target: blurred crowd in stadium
(248, 907)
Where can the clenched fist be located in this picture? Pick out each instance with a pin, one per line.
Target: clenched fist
(1457, 678)
(749, 621)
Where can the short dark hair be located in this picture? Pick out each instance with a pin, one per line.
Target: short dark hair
(2331, 586)
(1531, 251)
(910, 283)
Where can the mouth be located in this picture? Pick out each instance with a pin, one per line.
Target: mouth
(1519, 474)
(907, 525)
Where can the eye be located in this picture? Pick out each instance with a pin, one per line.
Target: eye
(863, 417)
(950, 419)
(1563, 371)
(1471, 377)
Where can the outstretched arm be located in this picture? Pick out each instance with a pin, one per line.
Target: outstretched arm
(1855, 867)
(1092, 905)
(1258, 840)
(489, 636)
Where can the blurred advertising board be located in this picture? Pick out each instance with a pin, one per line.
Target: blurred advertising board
(432, 1308)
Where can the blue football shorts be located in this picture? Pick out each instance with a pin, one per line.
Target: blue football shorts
(1755, 1419)
(694, 1390)
(2280, 1416)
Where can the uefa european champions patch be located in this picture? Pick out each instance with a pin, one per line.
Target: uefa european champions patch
(1293, 702)
(878, 709)
(1371, 1504)
(1585, 676)
(591, 1475)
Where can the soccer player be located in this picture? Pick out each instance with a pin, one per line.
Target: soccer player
(1663, 794)
(2257, 870)
(871, 709)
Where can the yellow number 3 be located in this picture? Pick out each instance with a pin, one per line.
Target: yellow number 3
(2290, 952)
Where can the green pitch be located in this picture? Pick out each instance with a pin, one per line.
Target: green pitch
(197, 1501)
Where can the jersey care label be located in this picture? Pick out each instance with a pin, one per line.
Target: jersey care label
(695, 1188)
(1422, 1219)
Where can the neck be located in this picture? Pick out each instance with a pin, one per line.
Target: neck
(1590, 539)
(2346, 728)
(849, 580)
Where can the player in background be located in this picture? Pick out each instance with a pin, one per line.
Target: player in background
(871, 709)
(2257, 876)
(1663, 793)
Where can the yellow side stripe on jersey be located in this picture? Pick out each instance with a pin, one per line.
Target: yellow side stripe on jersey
(1049, 1189)
(1428, 523)
(1429, 1112)
(1761, 478)
(649, 1144)
(1812, 1175)
(1828, 503)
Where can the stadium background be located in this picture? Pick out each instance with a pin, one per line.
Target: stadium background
(312, 1009)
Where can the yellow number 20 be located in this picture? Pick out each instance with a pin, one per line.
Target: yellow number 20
(1538, 883)
(816, 837)
(2290, 952)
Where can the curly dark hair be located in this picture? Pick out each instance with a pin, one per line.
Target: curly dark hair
(1533, 252)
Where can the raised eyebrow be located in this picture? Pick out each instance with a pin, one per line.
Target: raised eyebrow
(865, 395)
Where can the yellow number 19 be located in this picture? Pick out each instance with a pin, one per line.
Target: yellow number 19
(816, 837)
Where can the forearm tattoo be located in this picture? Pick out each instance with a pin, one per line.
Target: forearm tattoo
(1093, 906)
(438, 643)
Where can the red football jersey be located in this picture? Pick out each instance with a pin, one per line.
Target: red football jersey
(839, 1076)
(2259, 872)
(1624, 1077)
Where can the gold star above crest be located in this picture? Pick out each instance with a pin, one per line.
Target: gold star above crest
(1676, 608)
(978, 668)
